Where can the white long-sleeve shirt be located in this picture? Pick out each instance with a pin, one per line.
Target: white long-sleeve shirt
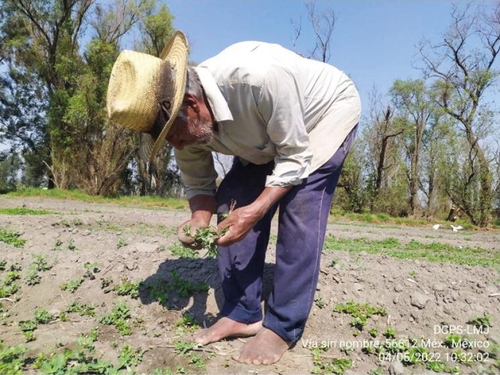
(270, 103)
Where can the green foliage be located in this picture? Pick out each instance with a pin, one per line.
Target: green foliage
(118, 317)
(187, 324)
(81, 308)
(7, 286)
(433, 252)
(181, 251)
(129, 356)
(127, 288)
(390, 333)
(335, 366)
(42, 316)
(360, 312)
(481, 322)
(12, 359)
(121, 242)
(23, 211)
(206, 238)
(72, 285)
(186, 288)
(11, 238)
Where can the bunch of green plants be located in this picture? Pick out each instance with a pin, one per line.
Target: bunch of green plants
(127, 288)
(40, 264)
(8, 287)
(11, 238)
(12, 359)
(206, 238)
(336, 366)
(129, 356)
(118, 317)
(81, 308)
(360, 312)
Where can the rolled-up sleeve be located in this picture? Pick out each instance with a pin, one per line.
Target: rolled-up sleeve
(280, 105)
(197, 170)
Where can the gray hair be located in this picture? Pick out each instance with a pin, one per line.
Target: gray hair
(193, 83)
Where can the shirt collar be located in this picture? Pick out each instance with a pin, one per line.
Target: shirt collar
(215, 98)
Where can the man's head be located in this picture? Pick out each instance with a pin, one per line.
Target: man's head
(194, 123)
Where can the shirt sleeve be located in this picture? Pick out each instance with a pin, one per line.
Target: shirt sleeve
(280, 105)
(197, 170)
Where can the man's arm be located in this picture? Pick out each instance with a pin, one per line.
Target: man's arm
(242, 220)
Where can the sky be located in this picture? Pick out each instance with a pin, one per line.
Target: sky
(373, 41)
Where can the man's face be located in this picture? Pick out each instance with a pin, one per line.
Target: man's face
(192, 126)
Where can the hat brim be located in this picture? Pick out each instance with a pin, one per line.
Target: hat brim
(176, 53)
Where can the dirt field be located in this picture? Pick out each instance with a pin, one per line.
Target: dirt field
(421, 301)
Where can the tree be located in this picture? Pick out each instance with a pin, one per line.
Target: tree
(461, 75)
(412, 102)
(323, 24)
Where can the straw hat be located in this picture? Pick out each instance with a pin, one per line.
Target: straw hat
(145, 92)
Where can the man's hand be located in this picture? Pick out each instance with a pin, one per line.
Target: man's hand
(194, 225)
(202, 208)
(240, 222)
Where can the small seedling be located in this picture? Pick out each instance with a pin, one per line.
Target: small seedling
(187, 324)
(3, 265)
(185, 288)
(127, 288)
(481, 322)
(81, 308)
(90, 270)
(336, 366)
(119, 318)
(183, 347)
(58, 245)
(390, 333)
(121, 242)
(42, 316)
(71, 245)
(196, 360)
(413, 274)
(105, 283)
(319, 302)
(373, 332)
(33, 277)
(72, 285)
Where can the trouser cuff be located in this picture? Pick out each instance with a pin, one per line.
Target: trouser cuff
(239, 314)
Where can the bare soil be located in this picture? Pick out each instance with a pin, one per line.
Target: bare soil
(419, 296)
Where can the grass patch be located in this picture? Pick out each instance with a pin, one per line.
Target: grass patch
(24, 211)
(385, 219)
(11, 238)
(433, 252)
(146, 201)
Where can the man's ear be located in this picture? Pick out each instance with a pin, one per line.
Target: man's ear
(191, 101)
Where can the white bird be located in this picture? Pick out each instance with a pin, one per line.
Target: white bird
(456, 229)
(436, 226)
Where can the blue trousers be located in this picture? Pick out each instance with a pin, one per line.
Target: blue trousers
(303, 215)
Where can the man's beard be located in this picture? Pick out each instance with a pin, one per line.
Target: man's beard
(204, 132)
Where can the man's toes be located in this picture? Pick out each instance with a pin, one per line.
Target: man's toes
(236, 357)
(258, 361)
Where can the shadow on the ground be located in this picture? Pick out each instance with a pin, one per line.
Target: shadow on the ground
(179, 283)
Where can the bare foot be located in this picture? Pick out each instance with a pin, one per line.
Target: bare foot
(226, 327)
(264, 349)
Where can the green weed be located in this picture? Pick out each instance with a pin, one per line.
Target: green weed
(127, 288)
(118, 317)
(24, 211)
(336, 366)
(12, 359)
(181, 251)
(121, 242)
(186, 288)
(433, 252)
(11, 238)
(81, 308)
(481, 322)
(72, 285)
(130, 356)
(206, 238)
(360, 312)
(42, 316)
(187, 324)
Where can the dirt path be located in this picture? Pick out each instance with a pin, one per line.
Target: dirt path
(129, 242)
